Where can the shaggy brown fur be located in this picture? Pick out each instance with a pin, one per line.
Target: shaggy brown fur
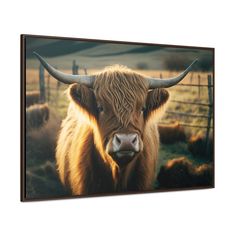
(32, 98)
(82, 158)
(171, 133)
(181, 173)
(197, 146)
(119, 89)
(36, 116)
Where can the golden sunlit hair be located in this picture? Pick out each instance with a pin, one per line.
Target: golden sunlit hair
(90, 126)
(79, 127)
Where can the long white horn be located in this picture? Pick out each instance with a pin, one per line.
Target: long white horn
(166, 83)
(66, 78)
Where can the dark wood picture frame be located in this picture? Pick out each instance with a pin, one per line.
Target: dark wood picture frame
(23, 61)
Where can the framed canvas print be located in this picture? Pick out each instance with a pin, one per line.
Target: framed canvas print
(107, 117)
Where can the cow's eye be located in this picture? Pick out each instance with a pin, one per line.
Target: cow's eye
(100, 108)
(143, 109)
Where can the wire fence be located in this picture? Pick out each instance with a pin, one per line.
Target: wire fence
(209, 105)
(209, 117)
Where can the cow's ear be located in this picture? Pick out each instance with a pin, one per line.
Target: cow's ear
(156, 101)
(83, 97)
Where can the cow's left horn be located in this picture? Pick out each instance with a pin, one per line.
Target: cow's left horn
(166, 83)
(66, 78)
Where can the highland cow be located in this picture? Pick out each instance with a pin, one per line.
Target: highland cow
(36, 116)
(198, 147)
(171, 133)
(109, 140)
(41, 141)
(181, 173)
(41, 176)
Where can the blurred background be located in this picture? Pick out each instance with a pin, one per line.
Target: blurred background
(185, 129)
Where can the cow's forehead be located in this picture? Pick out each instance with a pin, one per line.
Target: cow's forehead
(123, 89)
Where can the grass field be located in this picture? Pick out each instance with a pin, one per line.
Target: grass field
(57, 99)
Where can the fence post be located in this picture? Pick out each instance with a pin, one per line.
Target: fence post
(210, 97)
(191, 78)
(75, 68)
(41, 83)
(57, 92)
(199, 86)
(48, 87)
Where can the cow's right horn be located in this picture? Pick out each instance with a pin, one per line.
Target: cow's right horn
(166, 83)
(66, 78)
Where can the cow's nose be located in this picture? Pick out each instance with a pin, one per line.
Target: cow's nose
(125, 142)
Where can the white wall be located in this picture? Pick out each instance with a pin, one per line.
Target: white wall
(184, 22)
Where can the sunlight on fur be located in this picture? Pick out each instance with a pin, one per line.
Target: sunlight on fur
(90, 123)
